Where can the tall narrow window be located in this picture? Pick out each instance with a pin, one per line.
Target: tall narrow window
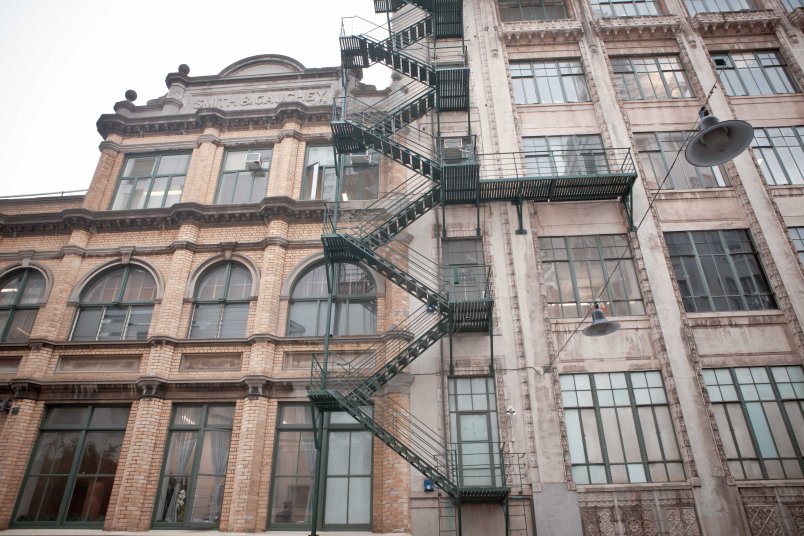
(797, 236)
(780, 154)
(625, 8)
(194, 470)
(151, 181)
(221, 302)
(516, 10)
(576, 269)
(71, 472)
(649, 78)
(551, 156)
(760, 415)
(719, 271)
(294, 468)
(354, 306)
(717, 6)
(619, 428)
(657, 154)
(21, 294)
(474, 430)
(753, 73)
(244, 177)
(117, 305)
(541, 82)
(360, 179)
(464, 267)
(320, 177)
(347, 494)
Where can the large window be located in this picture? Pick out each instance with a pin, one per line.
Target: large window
(320, 177)
(550, 156)
(780, 154)
(194, 470)
(151, 181)
(21, 293)
(346, 471)
(244, 177)
(117, 305)
(360, 179)
(717, 6)
(760, 415)
(657, 153)
(71, 472)
(648, 78)
(516, 10)
(354, 306)
(718, 271)
(619, 428)
(797, 236)
(576, 268)
(542, 82)
(625, 8)
(464, 267)
(474, 430)
(753, 73)
(221, 302)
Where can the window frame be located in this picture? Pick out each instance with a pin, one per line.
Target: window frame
(221, 302)
(513, 5)
(797, 238)
(198, 450)
(666, 156)
(729, 74)
(118, 304)
(602, 260)
(602, 444)
(735, 393)
(83, 429)
(668, 67)
(152, 178)
(687, 284)
(8, 324)
(712, 6)
(340, 303)
(266, 171)
(653, 9)
(567, 82)
(782, 164)
(320, 172)
(368, 176)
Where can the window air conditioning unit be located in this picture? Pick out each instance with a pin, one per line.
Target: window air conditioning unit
(364, 159)
(254, 161)
(453, 149)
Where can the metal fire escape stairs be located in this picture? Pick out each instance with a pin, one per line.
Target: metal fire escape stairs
(410, 46)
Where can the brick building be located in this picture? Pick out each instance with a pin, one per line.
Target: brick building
(185, 347)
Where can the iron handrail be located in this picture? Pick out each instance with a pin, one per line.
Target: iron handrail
(557, 163)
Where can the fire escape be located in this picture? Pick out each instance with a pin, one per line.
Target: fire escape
(423, 41)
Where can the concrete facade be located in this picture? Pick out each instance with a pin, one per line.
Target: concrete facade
(273, 101)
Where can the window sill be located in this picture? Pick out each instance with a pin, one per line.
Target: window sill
(787, 190)
(631, 27)
(633, 486)
(736, 318)
(556, 106)
(542, 31)
(694, 193)
(748, 22)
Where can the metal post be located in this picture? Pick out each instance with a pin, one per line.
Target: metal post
(332, 284)
(318, 436)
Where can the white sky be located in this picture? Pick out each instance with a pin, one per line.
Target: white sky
(63, 63)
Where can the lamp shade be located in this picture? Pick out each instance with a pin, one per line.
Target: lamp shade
(718, 141)
(600, 324)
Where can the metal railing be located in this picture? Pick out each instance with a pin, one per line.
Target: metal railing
(557, 163)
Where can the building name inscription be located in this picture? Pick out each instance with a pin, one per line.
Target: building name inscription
(273, 98)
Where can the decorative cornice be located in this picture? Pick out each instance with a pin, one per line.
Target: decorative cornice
(110, 145)
(736, 22)
(212, 117)
(796, 18)
(542, 31)
(120, 220)
(637, 27)
(207, 138)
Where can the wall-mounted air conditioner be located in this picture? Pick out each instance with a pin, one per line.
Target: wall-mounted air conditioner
(254, 161)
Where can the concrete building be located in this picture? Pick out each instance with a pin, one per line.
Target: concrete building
(185, 347)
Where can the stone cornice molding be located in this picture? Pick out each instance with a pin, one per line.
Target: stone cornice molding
(796, 18)
(316, 73)
(119, 220)
(637, 27)
(736, 23)
(548, 31)
(212, 117)
(208, 138)
(110, 145)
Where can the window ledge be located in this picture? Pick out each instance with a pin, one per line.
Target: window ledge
(630, 27)
(557, 106)
(634, 486)
(787, 190)
(736, 22)
(736, 318)
(695, 193)
(626, 322)
(542, 31)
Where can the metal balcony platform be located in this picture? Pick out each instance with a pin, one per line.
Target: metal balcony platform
(551, 189)
(483, 495)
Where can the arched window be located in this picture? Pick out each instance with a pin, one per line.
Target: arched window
(21, 293)
(354, 303)
(221, 302)
(117, 305)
